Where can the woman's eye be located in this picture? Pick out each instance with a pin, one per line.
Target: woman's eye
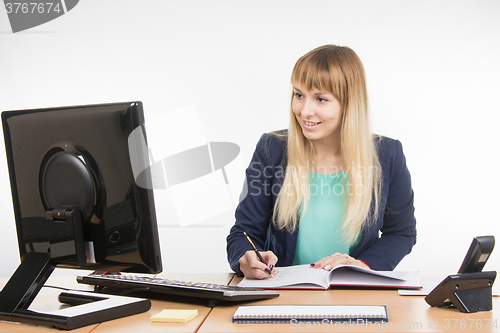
(321, 99)
(298, 95)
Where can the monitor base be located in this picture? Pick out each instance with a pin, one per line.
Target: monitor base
(89, 308)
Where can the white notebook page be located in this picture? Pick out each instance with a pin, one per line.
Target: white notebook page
(310, 311)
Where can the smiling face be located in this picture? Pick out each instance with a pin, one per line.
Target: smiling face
(318, 113)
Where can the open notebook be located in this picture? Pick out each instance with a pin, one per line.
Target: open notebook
(300, 313)
(305, 277)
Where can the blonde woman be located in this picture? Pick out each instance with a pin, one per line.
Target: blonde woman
(326, 191)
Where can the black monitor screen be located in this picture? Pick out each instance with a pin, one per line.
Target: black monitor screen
(74, 190)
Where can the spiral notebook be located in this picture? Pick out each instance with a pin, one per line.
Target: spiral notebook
(317, 313)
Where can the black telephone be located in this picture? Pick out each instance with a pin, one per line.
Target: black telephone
(470, 289)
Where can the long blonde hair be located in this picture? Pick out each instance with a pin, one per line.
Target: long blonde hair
(339, 71)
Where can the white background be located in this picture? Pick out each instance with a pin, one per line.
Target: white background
(433, 78)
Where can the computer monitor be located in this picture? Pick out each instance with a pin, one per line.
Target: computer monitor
(76, 200)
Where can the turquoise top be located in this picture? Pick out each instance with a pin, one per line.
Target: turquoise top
(320, 232)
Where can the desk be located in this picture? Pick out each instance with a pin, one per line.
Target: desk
(47, 300)
(141, 323)
(406, 313)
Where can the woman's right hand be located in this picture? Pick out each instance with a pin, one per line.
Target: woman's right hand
(253, 268)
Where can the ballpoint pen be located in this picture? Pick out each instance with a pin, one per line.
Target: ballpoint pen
(258, 254)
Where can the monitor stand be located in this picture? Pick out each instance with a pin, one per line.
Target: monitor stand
(29, 278)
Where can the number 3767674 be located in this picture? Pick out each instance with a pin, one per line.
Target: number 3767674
(470, 324)
(32, 7)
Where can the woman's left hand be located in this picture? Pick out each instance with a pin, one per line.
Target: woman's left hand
(336, 259)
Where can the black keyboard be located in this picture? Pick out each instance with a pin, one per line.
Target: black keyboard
(174, 287)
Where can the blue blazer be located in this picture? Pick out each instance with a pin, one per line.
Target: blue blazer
(383, 243)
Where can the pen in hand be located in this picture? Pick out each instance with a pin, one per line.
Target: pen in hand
(258, 254)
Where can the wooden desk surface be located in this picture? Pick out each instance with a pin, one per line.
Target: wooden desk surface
(406, 313)
(47, 300)
(141, 322)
